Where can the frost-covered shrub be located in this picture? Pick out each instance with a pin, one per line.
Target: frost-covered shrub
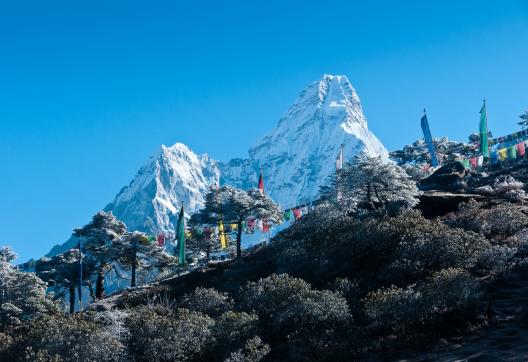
(231, 332)
(113, 322)
(394, 307)
(5, 343)
(509, 188)
(450, 289)
(22, 295)
(397, 308)
(469, 217)
(505, 220)
(163, 335)
(443, 248)
(234, 328)
(496, 259)
(288, 303)
(207, 301)
(72, 338)
(253, 351)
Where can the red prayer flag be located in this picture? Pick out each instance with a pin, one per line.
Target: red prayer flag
(251, 224)
(261, 183)
(297, 213)
(473, 161)
(161, 239)
(265, 227)
(521, 149)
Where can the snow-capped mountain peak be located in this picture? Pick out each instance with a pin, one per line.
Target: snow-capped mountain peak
(296, 157)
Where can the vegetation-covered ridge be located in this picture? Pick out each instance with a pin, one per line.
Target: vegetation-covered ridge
(366, 275)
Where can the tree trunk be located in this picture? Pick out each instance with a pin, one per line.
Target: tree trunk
(72, 298)
(239, 240)
(208, 253)
(134, 260)
(99, 283)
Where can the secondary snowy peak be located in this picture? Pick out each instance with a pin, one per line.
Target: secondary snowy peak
(296, 158)
(173, 176)
(298, 155)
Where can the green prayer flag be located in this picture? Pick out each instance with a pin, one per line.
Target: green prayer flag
(287, 215)
(180, 237)
(512, 152)
(465, 163)
(484, 146)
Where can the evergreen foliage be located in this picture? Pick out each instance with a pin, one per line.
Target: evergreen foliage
(234, 206)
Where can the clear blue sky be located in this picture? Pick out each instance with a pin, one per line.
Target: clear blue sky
(90, 89)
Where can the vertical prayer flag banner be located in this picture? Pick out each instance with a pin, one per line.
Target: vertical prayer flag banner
(339, 159)
(265, 227)
(261, 182)
(180, 237)
(484, 146)
(429, 140)
(221, 233)
(465, 163)
(473, 162)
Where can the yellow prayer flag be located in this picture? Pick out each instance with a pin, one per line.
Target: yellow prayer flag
(234, 226)
(503, 154)
(221, 233)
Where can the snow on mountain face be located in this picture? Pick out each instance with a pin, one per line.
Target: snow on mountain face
(172, 177)
(299, 154)
(296, 158)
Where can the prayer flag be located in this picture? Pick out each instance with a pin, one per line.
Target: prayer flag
(251, 224)
(465, 163)
(521, 149)
(512, 153)
(261, 182)
(265, 227)
(429, 139)
(473, 162)
(484, 147)
(494, 157)
(223, 239)
(480, 161)
(233, 226)
(180, 237)
(339, 159)
(503, 154)
(297, 213)
(287, 215)
(161, 239)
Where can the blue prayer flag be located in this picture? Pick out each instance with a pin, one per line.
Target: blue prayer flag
(429, 140)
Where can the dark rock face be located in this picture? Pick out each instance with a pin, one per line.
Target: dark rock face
(439, 203)
(449, 177)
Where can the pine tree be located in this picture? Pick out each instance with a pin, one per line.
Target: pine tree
(133, 251)
(95, 238)
(234, 206)
(62, 272)
(524, 120)
(373, 183)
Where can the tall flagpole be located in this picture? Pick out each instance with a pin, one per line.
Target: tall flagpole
(80, 272)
